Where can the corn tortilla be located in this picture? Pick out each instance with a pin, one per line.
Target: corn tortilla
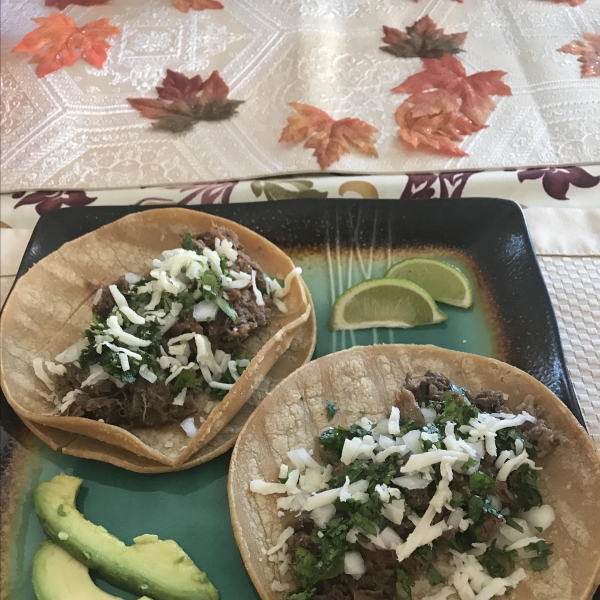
(365, 379)
(50, 307)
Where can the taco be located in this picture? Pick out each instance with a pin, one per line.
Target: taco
(300, 352)
(441, 475)
(150, 333)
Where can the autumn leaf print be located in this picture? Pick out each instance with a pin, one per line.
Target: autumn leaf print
(474, 91)
(571, 2)
(327, 137)
(185, 5)
(588, 50)
(58, 42)
(182, 102)
(62, 4)
(430, 120)
(423, 39)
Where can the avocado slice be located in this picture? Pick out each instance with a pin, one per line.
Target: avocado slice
(58, 576)
(159, 569)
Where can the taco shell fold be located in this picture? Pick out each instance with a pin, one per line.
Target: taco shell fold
(51, 306)
(365, 379)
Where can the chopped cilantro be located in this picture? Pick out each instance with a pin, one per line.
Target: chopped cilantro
(210, 285)
(306, 595)
(461, 415)
(365, 516)
(407, 425)
(332, 440)
(424, 554)
(495, 560)
(543, 550)
(185, 379)
(374, 473)
(479, 506)
(187, 243)
(481, 484)
(405, 585)
(224, 306)
(458, 499)
(433, 576)
(512, 523)
(506, 440)
(523, 484)
(331, 409)
(471, 462)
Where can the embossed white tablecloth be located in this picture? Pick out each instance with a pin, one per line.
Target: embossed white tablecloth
(74, 128)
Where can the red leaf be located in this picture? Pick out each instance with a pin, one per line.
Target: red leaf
(185, 5)
(215, 87)
(448, 74)
(430, 120)
(423, 39)
(588, 50)
(436, 132)
(62, 4)
(176, 86)
(183, 101)
(571, 2)
(58, 42)
(328, 138)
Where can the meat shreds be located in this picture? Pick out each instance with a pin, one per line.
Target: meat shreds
(488, 528)
(491, 402)
(106, 302)
(140, 405)
(226, 334)
(418, 499)
(186, 325)
(409, 409)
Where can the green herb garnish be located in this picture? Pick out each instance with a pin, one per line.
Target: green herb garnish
(405, 585)
(331, 409)
(433, 576)
(543, 550)
(481, 484)
(495, 560)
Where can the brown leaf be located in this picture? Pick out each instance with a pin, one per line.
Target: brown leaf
(184, 101)
(448, 74)
(588, 50)
(423, 39)
(62, 4)
(185, 5)
(328, 138)
(436, 130)
(571, 2)
(58, 42)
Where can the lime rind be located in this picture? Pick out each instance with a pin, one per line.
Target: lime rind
(454, 279)
(405, 288)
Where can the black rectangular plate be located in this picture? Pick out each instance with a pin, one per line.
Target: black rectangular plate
(491, 232)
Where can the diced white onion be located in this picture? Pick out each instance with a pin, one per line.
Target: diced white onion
(147, 374)
(322, 515)
(429, 414)
(96, 297)
(180, 398)
(203, 311)
(285, 535)
(412, 439)
(59, 370)
(71, 354)
(540, 517)
(411, 482)
(189, 427)
(257, 293)
(124, 361)
(394, 421)
(354, 564)
(132, 278)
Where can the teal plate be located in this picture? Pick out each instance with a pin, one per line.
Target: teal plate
(337, 243)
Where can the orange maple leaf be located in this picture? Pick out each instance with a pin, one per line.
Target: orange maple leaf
(58, 42)
(327, 137)
(571, 2)
(185, 5)
(588, 50)
(447, 73)
(430, 119)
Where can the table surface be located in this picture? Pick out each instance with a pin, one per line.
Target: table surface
(73, 128)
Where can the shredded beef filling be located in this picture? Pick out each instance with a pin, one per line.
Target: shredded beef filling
(379, 582)
(144, 404)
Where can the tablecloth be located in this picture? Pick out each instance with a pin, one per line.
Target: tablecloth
(73, 128)
(565, 233)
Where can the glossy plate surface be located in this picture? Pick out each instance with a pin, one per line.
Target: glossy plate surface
(337, 243)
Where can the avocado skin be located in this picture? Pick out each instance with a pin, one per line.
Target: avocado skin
(58, 576)
(160, 569)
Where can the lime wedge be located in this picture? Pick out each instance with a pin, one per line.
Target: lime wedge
(444, 282)
(384, 303)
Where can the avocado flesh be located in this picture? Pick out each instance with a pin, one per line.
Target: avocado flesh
(58, 576)
(159, 569)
